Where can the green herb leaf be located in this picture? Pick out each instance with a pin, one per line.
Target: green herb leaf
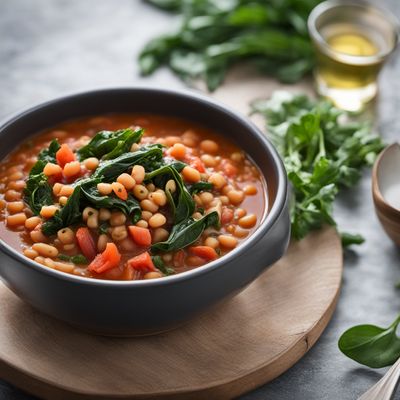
(38, 192)
(77, 259)
(110, 144)
(129, 207)
(215, 35)
(371, 345)
(181, 202)
(149, 156)
(159, 264)
(322, 153)
(186, 232)
(349, 239)
(199, 187)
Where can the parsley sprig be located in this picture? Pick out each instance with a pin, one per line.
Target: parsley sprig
(323, 151)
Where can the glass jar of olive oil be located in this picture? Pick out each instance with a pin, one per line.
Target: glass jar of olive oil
(352, 41)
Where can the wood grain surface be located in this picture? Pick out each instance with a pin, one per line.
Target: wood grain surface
(234, 348)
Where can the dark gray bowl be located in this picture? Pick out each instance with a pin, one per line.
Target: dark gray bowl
(148, 306)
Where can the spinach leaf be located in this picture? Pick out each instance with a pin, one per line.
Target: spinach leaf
(199, 187)
(186, 232)
(110, 144)
(349, 239)
(371, 345)
(49, 155)
(66, 216)
(38, 192)
(77, 259)
(159, 264)
(129, 207)
(181, 202)
(147, 155)
(214, 35)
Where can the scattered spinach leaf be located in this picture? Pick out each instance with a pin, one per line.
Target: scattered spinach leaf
(371, 345)
(181, 202)
(199, 187)
(77, 259)
(110, 144)
(159, 264)
(129, 207)
(215, 35)
(349, 239)
(38, 192)
(49, 155)
(186, 232)
(147, 155)
(68, 215)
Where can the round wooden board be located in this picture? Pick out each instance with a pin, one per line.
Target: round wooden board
(234, 348)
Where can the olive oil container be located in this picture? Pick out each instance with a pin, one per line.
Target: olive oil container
(352, 41)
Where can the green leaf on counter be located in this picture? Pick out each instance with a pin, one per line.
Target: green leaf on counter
(349, 239)
(371, 345)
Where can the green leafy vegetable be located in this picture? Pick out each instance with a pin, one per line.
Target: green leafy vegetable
(199, 187)
(159, 263)
(147, 156)
(371, 345)
(49, 155)
(181, 202)
(38, 192)
(78, 259)
(68, 215)
(110, 144)
(349, 239)
(217, 34)
(322, 154)
(186, 232)
(129, 207)
(86, 193)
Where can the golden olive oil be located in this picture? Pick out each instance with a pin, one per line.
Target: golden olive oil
(347, 72)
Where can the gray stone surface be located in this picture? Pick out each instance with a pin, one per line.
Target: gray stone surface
(53, 47)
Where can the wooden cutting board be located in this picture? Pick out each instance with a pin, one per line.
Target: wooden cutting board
(234, 348)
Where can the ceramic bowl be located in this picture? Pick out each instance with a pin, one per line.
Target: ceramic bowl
(386, 190)
(149, 306)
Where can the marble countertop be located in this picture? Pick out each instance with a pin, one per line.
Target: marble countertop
(50, 48)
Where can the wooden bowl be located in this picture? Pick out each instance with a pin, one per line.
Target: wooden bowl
(386, 190)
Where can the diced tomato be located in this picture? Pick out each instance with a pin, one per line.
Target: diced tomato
(204, 252)
(196, 163)
(226, 215)
(106, 260)
(119, 190)
(142, 262)
(229, 169)
(64, 155)
(86, 243)
(140, 236)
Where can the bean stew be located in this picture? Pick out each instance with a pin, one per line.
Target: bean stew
(129, 197)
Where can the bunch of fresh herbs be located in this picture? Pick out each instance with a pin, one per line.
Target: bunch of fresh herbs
(215, 34)
(322, 153)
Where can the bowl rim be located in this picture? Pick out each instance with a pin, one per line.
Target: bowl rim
(268, 222)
